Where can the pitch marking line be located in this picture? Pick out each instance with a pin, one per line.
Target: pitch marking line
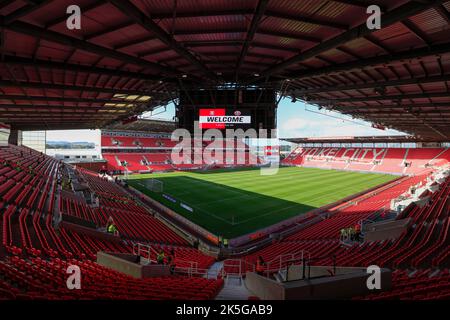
(280, 210)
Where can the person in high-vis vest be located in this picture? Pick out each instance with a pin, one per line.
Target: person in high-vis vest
(343, 233)
(160, 257)
(225, 243)
(112, 229)
(260, 266)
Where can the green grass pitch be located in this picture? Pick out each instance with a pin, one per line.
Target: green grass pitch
(235, 202)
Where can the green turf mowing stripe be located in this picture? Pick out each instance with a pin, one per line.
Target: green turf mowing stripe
(236, 202)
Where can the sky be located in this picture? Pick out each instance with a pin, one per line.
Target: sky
(294, 120)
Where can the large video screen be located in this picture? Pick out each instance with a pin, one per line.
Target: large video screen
(224, 119)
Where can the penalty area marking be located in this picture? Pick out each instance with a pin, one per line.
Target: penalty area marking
(232, 222)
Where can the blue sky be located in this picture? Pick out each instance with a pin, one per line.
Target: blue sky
(294, 120)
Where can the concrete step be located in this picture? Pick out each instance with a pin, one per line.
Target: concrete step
(233, 291)
(215, 269)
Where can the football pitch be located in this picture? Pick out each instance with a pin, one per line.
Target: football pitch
(235, 202)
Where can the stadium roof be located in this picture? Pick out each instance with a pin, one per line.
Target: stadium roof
(132, 55)
(147, 125)
(360, 139)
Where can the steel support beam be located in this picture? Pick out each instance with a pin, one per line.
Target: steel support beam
(38, 32)
(380, 98)
(371, 62)
(136, 15)
(62, 99)
(25, 10)
(58, 108)
(41, 85)
(396, 15)
(46, 64)
(259, 12)
(84, 9)
(389, 83)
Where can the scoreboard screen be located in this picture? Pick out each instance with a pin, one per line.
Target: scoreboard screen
(224, 119)
(224, 109)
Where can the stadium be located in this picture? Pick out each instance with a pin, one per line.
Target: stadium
(211, 203)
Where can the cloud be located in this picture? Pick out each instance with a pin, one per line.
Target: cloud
(301, 127)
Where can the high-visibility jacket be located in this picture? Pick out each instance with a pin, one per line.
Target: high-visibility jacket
(112, 228)
(160, 257)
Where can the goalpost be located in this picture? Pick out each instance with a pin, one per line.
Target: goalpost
(154, 185)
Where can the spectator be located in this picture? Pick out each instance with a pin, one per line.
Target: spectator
(7, 163)
(103, 171)
(260, 266)
(357, 232)
(18, 167)
(160, 257)
(113, 229)
(171, 261)
(343, 233)
(351, 234)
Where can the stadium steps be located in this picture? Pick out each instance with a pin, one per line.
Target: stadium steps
(233, 289)
(215, 269)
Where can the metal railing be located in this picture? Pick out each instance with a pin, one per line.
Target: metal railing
(191, 269)
(194, 272)
(139, 249)
(239, 267)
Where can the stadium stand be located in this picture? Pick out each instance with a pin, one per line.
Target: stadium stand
(418, 254)
(35, 245)
(142, 154)
(29, 234)
(133, 58)
(40, 279)
(387, 160)
(422, 285)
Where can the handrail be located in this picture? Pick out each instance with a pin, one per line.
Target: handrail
(143, 248)
(208, 274)
(139, 248)
(283, 261)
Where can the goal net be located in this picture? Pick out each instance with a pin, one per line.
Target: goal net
(154, 185)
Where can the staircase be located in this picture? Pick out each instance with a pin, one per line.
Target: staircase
(234, 287)
(215, 270)
(118, 161)
(404, 160)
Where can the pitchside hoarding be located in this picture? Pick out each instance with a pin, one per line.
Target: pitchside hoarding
(224, 119)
